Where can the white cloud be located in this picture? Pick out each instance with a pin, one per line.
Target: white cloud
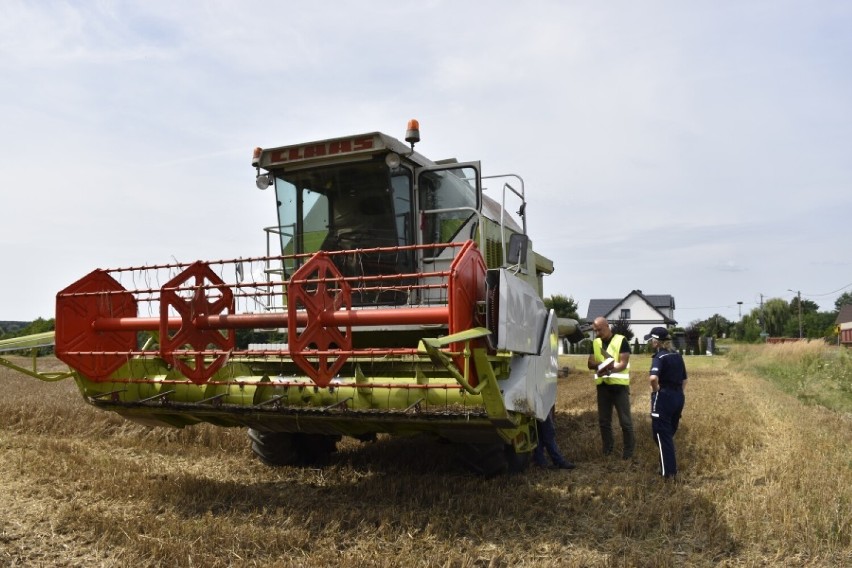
(725, 127)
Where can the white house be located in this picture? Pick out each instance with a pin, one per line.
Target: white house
(642, 312)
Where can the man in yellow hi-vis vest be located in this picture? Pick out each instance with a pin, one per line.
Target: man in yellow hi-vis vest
(610, 359)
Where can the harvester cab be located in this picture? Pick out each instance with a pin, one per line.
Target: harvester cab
(400, 297)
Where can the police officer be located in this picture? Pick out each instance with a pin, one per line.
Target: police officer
(668, 380)
(613, 385)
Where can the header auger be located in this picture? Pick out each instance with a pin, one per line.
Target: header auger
(402, 300)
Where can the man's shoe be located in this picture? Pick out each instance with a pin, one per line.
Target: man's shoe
(565, 465)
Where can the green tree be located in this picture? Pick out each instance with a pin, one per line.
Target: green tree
(715, 326)
(621, 327)
(753, 328)
(808, 306)
(842, 300)
(791, 327)
(564, 306)
(776, 314)
(38, 326)
(748, 328)
(692, 333)
(820, 324)
(815, 325)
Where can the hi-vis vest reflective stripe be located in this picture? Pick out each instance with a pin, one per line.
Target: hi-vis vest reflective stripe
(613, 350)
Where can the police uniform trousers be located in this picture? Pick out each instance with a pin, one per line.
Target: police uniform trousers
(666, 408)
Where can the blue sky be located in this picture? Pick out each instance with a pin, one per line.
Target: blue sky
(700, 149)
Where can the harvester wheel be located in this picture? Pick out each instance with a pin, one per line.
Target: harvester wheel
(515, 462)
(288, 448)
(490, 460)
(316, 448)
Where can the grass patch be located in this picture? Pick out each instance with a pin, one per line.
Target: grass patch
(812, 371)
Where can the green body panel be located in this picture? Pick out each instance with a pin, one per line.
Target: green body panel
(31, 343)
(27, 342)
(422, 394)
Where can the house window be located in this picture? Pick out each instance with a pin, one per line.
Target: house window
(625, 314)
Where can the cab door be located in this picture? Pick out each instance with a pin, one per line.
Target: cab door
(449, 199)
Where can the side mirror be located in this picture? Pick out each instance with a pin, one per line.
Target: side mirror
(517, 249)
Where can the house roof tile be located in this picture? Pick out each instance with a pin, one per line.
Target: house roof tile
(844, 315)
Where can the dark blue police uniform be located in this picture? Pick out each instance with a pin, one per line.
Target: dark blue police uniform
(667, 405)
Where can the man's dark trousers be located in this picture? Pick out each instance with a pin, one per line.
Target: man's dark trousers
(617, 396)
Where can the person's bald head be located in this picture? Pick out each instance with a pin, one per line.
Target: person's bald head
(601, 328)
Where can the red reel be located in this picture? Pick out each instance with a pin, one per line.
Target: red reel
(191, 300)
(89, 352)
(318, 288)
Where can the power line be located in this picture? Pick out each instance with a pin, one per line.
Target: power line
(734, 306)
(828, 293)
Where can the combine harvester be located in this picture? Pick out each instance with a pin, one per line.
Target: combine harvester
(409, 299)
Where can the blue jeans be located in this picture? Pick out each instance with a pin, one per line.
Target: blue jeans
(547, 442)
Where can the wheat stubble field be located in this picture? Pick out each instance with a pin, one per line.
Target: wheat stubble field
(765, 481)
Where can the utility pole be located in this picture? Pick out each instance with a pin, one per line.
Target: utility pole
(740, 304)
(799, 296)
(799, 293)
